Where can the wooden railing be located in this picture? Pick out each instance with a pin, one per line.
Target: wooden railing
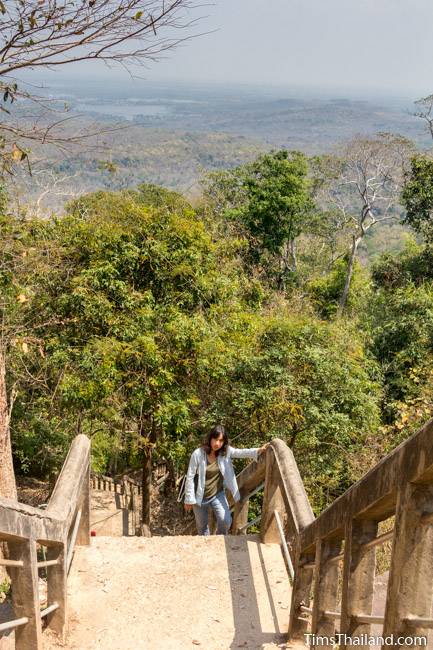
(285, 506)
(346, 533)
(123, 485)
(337, 551)
(64, 524)
(129, 492)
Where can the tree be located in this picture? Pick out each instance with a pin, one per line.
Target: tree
(306, 381)
(417, 196)
(35, 196)
(48, 34)
(136, 285)
(425, 108)
(325, 290)
(7, 477)
(141, 327)
(366, 188)
(401, 321)
(12, 304)
(270, 199)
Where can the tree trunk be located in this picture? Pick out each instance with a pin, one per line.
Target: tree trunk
(292, 251)
(170, 483)
(147, 475)
(8, 486)
(352, 256)
(288, 262)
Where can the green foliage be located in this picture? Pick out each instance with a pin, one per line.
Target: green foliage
(135, 320)
(326, 291)
(159, 197)
(142, 328)
(269, 199)
(309, 383)
(413, 265)
(403, 334)
(417, 196)
(130, 286)
(5, 588)
(276, 189)
(401, 323)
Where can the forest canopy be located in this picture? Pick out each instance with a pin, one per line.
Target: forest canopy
(141, 321)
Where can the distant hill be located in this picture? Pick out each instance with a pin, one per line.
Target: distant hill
(170, 134)
(275, 117)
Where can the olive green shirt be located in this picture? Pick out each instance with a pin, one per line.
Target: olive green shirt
(214, 482)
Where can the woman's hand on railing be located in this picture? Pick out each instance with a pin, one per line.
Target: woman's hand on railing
(263, 449)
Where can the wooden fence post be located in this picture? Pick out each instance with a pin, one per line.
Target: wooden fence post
(358, 578)
(57, 589)
(25, 594)
(325, 588)
(410, 583)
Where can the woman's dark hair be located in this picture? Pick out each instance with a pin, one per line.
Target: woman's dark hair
(215, 433)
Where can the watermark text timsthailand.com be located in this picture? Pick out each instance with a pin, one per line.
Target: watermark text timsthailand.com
(365, 640)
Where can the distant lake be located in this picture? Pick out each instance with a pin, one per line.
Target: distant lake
(127, 110)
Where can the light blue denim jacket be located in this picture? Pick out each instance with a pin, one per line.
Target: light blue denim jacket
(198, 464)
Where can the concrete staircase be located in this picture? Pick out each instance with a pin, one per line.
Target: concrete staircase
(219, 593)
(174, 593)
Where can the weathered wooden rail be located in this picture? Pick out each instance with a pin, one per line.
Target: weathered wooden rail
(337, 551)
(129, 492)
(285, 507)
(123, 485)
(62, 525)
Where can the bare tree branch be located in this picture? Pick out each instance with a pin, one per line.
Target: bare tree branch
(366, 187)
(47, 34)
(425, 111)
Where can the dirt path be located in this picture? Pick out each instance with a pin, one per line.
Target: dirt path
(175, 593)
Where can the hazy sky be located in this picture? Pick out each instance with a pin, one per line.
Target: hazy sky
(380, 45)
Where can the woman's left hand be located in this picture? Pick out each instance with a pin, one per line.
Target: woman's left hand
(262, 449)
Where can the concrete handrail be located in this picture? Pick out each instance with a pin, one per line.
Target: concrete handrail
(284, 492)
(399, 486)
(286, 509)
(75, 472)
(63, 524)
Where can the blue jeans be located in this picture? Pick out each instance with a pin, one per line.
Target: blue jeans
(221, 510)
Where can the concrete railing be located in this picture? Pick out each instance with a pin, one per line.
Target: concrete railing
(346, 534)
(129, 492)
(285, 506)
(283, 491)
(25, 529)
(334, 556)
